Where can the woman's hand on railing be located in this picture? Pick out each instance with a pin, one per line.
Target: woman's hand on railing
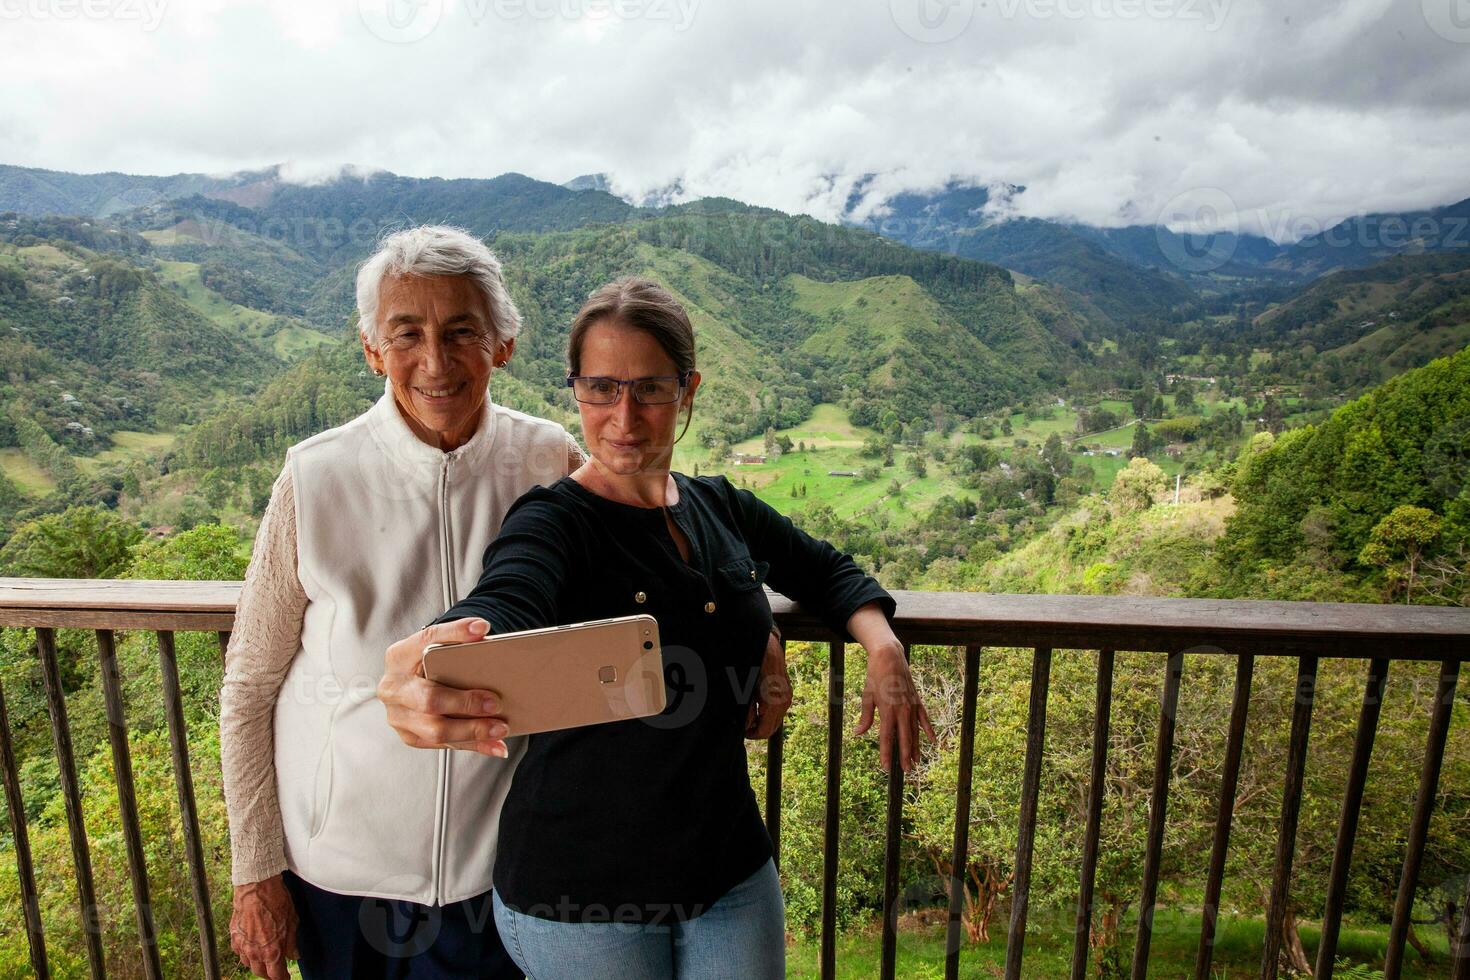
(889, 690)
(263, 927)
(772, 693)
(432, 716)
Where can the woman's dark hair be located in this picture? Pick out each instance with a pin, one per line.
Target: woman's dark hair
(643, 305)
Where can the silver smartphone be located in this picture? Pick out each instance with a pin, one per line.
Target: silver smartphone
(562, 676)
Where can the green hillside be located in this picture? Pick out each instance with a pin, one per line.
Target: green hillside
(1323, 494)
(1369, 324)
(93, 341)
(899, 345)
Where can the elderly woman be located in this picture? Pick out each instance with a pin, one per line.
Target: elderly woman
(380, 853)
(635, 849)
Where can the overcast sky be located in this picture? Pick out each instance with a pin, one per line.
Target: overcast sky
(1288, 114)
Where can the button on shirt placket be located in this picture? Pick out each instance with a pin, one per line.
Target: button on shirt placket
(693, 566)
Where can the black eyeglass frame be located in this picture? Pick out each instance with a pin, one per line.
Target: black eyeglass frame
(683, 379)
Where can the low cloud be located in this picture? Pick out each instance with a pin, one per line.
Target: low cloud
(1105, 110)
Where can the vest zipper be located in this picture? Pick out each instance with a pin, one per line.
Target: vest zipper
(441, 817)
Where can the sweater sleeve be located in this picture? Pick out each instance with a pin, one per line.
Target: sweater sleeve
(575, 456)
(263, 644)
(524, 568)
(812, 572)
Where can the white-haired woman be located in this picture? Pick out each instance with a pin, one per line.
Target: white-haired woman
(364, 857)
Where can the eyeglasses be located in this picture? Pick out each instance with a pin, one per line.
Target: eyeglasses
(646, 391)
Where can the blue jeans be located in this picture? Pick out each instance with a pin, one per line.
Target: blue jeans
(741, 935)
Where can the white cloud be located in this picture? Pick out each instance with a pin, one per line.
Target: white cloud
(1104, 109)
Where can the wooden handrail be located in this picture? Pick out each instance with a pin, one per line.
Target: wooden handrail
(1123, 623)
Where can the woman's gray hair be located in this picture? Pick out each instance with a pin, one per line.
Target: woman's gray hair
(435, 250)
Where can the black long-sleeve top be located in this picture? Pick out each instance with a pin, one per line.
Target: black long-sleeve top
(650, 819)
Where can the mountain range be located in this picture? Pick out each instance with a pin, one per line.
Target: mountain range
(220, 307)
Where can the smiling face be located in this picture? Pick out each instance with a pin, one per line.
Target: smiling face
(436, 345)
(627, 438)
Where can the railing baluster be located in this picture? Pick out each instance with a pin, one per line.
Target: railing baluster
(1291, 805)
(178, 738)
(224, 644)
(1245, 664)
(122, 768)
(72, 795)
(1101, 723)
(830, 820)
(775, 754)
(15, 803)
(1462, 959)
(1026, 829)
(960, 858)
(892, 837)
(1347, 824)
(1158, 807)
(1439, 726)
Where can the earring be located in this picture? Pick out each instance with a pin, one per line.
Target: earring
(377, 372)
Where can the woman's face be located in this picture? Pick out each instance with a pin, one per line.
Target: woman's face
(626, 437)
(437, 348)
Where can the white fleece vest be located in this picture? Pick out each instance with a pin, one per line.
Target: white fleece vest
(390, 533)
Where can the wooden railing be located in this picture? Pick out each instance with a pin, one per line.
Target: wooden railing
(1243, 630)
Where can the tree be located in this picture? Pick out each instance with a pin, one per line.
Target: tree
(1397, 545)
(1273, 416)
(1143, 442)
(917, 465)
(1005, 426)
(208, 552)
(81, 542)
(1141, 402)
(1134, 488)
(1055, 455)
